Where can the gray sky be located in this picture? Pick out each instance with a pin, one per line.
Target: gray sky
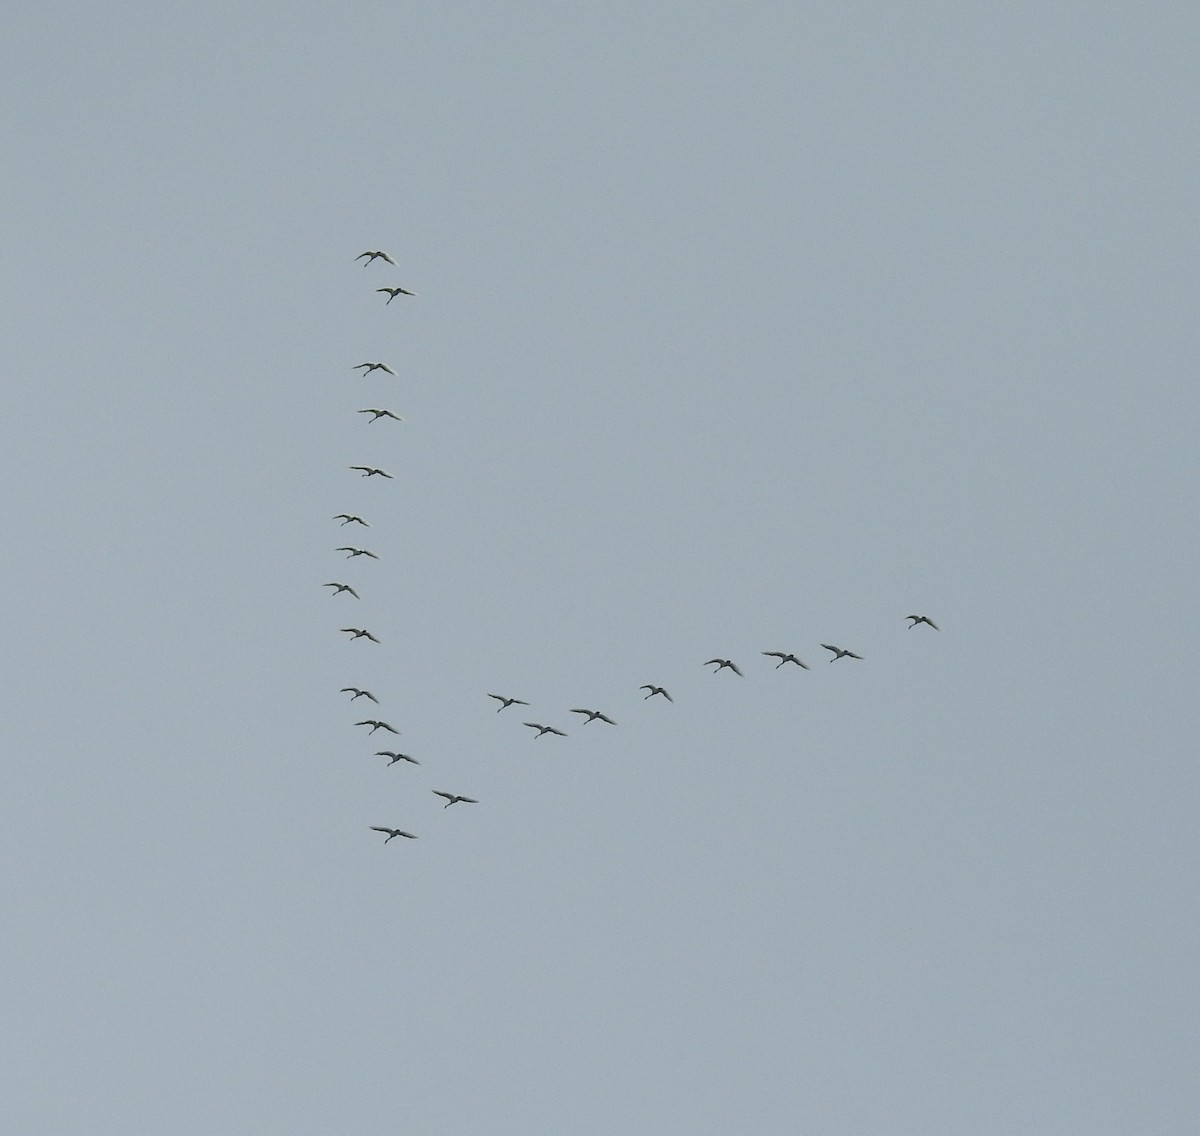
(740, 328)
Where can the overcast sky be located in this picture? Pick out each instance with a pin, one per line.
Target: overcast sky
(740, 328)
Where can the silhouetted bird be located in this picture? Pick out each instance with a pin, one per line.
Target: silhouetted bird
(371, 471)
(545, 729)
(359, 633)
(355, 552)
(380, 414)
(592, 715)
(506, 702)
(375, 724)
(785, 657)
(339, 588)
(395, 756)
(374, 367)
(351, 519)
(655, 690)
(722, 664)
(394, 292)
(454, 798)
(921, 619)
(357, 692)
(839, 653)
(372, 255)
(391, 832)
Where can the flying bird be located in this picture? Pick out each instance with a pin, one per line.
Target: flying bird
(391, 832)
(357, 692)
(655, 690)
(355, 552)
(359, 633)
(395, 756)
(921, 619)
(380, 414)
(374, 367)
(372, 255)
(350, 518)
(785, 657)
(394, 292)
(839, 653)
(722, 664)
(339, 588)
(592, 715)
(371, 471)
(505, 703)
(545, 729)
(453, 798)
(375, 724)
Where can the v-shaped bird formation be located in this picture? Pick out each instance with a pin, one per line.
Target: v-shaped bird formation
(652, 691)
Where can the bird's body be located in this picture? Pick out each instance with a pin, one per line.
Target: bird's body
(339, 588)
(394, 292)
(367, 368)
(375, 724)
(358, 692)
(786, 657)
(655, 690)
(391, 832)
(360, 633)
(839, 653)
(396, 756)
(921, 619)
(454, 798)
(380, 414)
(722, 664)
(544, 729)
(505, 703)
(351, 519)
(377, 253)
(592, 715)
(371, 471)
(353, 552)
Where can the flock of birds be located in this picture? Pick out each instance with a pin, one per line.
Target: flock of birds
(353, 552)
(589, 715)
